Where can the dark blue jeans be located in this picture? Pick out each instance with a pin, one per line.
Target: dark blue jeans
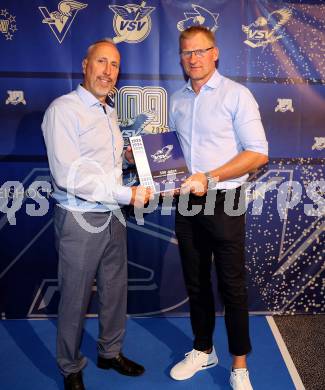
(199, 237)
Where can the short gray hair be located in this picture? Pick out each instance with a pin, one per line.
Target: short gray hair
(103, 40)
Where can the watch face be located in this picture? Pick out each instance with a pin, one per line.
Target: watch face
(211, 183)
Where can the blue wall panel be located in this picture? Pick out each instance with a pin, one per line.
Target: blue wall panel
(275, 48)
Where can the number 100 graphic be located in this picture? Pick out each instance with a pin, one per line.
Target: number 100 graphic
(132, 101)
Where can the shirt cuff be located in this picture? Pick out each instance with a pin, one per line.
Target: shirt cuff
(123, 195)
(259, 148)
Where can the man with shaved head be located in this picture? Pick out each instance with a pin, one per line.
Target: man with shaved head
(85, 152)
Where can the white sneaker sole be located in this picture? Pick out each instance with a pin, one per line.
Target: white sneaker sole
(233, 385)
(190, 375)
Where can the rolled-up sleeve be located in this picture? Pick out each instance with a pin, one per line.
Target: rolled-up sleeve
(247, 123)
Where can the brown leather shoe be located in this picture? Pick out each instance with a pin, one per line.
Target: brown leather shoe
(74, 382)
(121, 364)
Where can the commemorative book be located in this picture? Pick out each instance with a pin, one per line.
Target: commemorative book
(159, 160)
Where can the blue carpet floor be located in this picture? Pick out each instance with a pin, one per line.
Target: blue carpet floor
(27, 358)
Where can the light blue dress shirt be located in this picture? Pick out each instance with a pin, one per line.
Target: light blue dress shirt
(85, 152)
(216, 124)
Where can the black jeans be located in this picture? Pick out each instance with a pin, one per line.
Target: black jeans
(199, 237)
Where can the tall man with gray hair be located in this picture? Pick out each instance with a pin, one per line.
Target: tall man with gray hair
(85, 153)
(222, 137)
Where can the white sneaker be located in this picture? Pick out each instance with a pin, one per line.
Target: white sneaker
(194, 361)
(239, 379)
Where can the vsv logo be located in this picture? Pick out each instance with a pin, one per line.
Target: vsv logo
(266, 30)
(60, 21)
(131, 26)
(133, 127)
(131, 23)
(163, 154)
(257, 35)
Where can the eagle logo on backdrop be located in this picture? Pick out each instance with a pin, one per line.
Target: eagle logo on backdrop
(199, 17)
(135, 126)
(60, 21)
(319, 143)
(7, 24)
(163, 154)
(131, 23)
(284, 105)
(264, 31)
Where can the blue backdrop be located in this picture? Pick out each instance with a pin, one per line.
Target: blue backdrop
(275, 48)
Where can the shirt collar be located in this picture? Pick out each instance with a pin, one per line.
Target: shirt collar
(212, 83)
(87, 97)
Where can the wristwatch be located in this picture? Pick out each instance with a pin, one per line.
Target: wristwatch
(208, 176)
(211, 179)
